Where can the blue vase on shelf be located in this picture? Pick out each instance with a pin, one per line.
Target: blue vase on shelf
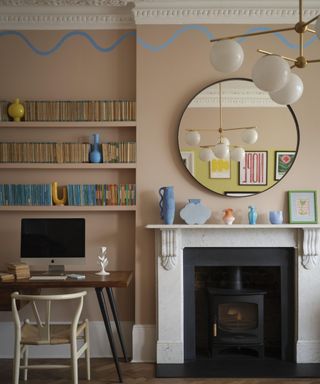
(252, 215)
(95, 154)
(167, 204)
(276, 217)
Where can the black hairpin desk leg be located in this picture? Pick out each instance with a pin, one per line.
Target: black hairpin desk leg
(116, 320)
(104, 312)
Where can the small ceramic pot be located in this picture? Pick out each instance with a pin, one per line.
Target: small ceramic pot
(276, 217)
(228, 217)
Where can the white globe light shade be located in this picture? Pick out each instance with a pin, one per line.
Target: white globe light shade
(223, 140)
(193, 138)
(206, 154)
(249, 136)
(290, 93)
(271, 73)
(318, 27)
(221, 150)
(237, 153)
(226, 56)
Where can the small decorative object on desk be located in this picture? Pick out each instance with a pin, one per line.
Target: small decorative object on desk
(276, 217)
(228, 217)
(167, 204)
(103, 261)
(19, 270)
(252, 214)
(16, 110)
(95, 153)
(195, 212)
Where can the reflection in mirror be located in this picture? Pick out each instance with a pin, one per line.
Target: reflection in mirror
(235, 140)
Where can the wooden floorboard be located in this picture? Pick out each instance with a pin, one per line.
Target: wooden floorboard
(103, 371)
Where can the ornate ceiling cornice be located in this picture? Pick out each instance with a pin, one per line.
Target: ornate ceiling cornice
(112, 14)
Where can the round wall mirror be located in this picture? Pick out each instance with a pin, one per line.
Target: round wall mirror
(235, 141)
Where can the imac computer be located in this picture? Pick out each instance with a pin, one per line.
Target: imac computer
(54, 242)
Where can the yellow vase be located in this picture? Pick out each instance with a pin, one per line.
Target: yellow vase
(16, 110)
(56, 200)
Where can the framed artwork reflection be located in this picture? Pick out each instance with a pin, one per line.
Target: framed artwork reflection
(302, 207)
(283, 161)
(220, 168)
(253, 168)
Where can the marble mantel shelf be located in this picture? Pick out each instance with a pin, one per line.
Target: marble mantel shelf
(171, 237)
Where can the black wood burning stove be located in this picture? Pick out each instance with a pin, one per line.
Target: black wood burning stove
(236, 318)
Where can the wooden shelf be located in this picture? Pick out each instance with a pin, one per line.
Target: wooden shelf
(67, 124)
(67, 208)
(79, 166)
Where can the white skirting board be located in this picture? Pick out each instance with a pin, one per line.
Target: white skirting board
(308, 351)
(144, 343)
(99, 344)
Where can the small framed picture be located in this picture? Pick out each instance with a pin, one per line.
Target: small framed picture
(220, 168)
(253, 169)
(283, 161)
(302, 207)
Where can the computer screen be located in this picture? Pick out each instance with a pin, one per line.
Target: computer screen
(53, 241)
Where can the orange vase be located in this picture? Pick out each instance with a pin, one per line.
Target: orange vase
(228, 217)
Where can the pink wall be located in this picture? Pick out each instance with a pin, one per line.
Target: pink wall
(166, 80)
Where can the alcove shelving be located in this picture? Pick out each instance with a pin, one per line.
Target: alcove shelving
(68, 172)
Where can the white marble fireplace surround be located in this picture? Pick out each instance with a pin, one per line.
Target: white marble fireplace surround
(169, 245)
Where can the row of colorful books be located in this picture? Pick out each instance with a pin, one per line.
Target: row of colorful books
(75, 110)
(101, 194)
(115, 152)
(44, 152)
(4, 110)
(119, 152)
(77, 194)
(25, 194)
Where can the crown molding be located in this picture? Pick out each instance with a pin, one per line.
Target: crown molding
(221, 12)
(239, 95)
(126, 14)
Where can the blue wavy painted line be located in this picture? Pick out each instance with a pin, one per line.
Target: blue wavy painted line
(157, 48)
(279, 36)
(153, 48)
(66, 37)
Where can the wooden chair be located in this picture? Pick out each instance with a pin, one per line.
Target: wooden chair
(47, 333)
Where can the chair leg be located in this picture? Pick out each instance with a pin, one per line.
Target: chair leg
(16, 362)
(74, 361)
(87, 352)
(25, 362)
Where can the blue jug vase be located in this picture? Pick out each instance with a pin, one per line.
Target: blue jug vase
(252, 215)
(167, 204)
(95, 154)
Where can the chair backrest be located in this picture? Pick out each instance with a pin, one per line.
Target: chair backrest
(44, 325)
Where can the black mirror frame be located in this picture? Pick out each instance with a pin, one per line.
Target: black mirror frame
(247, 194)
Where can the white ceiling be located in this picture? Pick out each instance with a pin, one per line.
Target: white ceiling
(114, 14)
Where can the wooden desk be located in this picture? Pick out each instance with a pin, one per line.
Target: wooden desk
(116, 279)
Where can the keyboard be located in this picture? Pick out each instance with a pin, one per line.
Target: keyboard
(48, 277)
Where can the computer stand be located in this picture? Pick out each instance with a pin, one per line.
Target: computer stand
(55, 270)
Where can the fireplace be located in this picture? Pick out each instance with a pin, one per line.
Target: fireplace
(299, 342)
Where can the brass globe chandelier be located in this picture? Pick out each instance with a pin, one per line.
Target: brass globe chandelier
(272, 72)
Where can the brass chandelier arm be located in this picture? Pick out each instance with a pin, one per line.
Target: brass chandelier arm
(311, 30)
(313, 61)
(270, 53)
(238, 128)
(310, 21)
(217, 130)
(253, 34)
